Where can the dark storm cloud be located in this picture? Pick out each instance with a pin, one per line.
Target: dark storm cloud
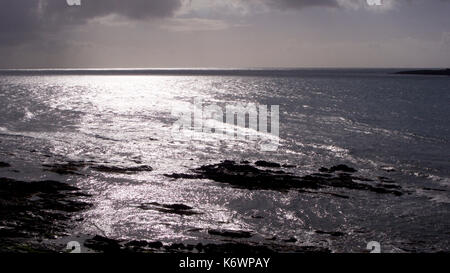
(134, 9)
(18, 19)
(23, 20)
(298, 4)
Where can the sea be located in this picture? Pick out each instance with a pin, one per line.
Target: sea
(386, 126)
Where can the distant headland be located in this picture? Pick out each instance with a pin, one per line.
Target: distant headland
(441, 72)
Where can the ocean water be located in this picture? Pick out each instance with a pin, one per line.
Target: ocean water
(383, 125)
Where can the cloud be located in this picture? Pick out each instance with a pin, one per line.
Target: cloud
(299, 4)
(24, 20)
(345, 4)
(194, 24)
(133, 9)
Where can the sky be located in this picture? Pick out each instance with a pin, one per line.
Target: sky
(224, 33)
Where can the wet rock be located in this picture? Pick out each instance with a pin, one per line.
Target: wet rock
(332, 233)
(338, 168)
(122, 170)
(433, 189)
(143, 245)
(267, 164)
(35, 210)
(182, 176)
(252, 178)
(4, 165)
(74, 168)
(103, 244)
(176, 246)
(137, 244)
(155, 245)
(179, 209)
(290, 240)
(230, 233)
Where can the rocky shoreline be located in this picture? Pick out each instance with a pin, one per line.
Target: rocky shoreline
(31, 212)
(246, 176)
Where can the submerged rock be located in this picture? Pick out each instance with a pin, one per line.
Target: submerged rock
(339, 168)
(332, 233)
(267, 164)
(179, 209)
(291, 240)
(249, 177)
(230, 233)
(74, 168)
(124, 170)
(4, 165)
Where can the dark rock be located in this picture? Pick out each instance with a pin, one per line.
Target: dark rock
(35, 210)
(4, 165)
(143, 245)
(332, 233)
(103, 244)
(137, 244)
(342, 168)
(176, 246)
(290, 240)
(181, 176)
(155, 245)
(230, 233)
(73, 168)
(249, 177)
(190, 247)
(122, 170)
(199, 247)
(267, 164)
(432, 189)
(179, 209)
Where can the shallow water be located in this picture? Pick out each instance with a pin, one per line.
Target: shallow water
(371, 120)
